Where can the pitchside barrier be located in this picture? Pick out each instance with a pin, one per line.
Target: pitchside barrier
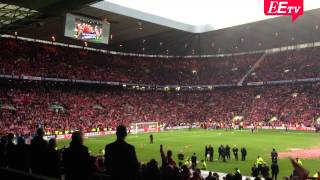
(298, 128)
(145, 130)
(222, 175)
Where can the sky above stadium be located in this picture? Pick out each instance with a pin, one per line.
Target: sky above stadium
(203, 15)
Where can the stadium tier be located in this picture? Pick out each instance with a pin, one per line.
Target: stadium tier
(22, 58)
(61, 109)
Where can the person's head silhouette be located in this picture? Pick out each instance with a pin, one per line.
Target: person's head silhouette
(77, 138)
(121, 132)
(40, 132)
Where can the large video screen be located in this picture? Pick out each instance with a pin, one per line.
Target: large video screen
(86, 29)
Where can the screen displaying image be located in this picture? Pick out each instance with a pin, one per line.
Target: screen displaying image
(87, 29)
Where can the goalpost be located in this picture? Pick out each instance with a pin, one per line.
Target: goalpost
(144, 127)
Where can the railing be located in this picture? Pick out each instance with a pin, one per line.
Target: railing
(135, 86)
(268, 51)
(8, 173)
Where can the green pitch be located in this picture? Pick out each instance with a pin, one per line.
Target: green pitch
(259, 143)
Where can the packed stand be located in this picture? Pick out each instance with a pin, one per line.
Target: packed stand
(65, 109)
(288, 65)
(35, 59)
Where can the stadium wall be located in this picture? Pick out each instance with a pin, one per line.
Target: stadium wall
(144, 130)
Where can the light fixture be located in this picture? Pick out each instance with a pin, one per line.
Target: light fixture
(53, 38)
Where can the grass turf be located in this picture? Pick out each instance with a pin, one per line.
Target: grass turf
(259, 143)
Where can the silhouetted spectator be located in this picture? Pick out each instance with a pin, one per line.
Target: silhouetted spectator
(166, 159)
(197, 175)
(194, 160)
(210, 176)
(237, 175)
(185, 174)
(121, 157)
(170, 172)
(39, 153)
(3, 151)
(153, 171)
(22, 152)
(11, 151)
(53, 159)
(254, 171)
(76, 159)
(265, 170)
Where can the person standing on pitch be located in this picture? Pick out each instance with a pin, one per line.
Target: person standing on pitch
(235, 152)
(220, 151)
(223, 154)
(274, 155)
(227, 149)
(243, 153)
(211, 152)
(151, 139)
(259, 163)
(274, 170)
(206, 151)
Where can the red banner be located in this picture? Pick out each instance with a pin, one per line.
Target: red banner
(293, 8)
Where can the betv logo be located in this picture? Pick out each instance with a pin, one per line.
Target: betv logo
(293, 8)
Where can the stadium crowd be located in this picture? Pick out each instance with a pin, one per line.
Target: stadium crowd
(29, 58)
(288, 65)
(23, 58)
(64, 109)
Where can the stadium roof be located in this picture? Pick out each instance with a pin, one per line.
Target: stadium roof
(11, 13)
(196, 16)
(139, 35)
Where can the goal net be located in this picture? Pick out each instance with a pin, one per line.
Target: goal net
(144, 127)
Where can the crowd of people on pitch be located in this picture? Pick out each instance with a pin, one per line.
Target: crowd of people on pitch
(22, 58)
(23, 109)
(118, 161)
(224, 153)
